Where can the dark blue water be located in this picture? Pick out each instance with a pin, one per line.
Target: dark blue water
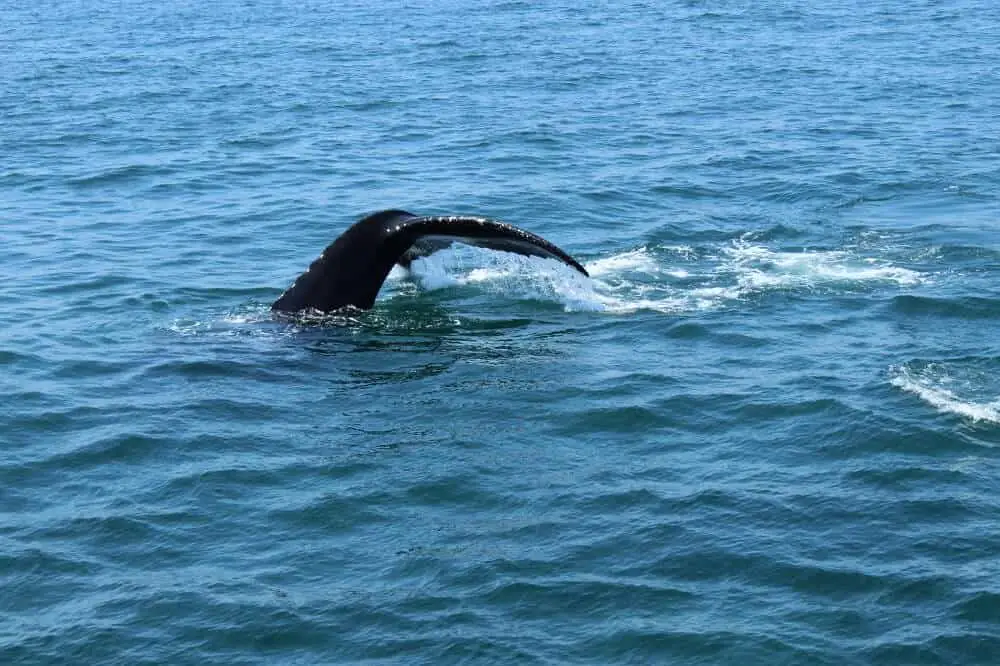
(765, 431)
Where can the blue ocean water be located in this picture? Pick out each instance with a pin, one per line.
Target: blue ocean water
(764, 431)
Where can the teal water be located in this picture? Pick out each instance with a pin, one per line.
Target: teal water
(765, 431)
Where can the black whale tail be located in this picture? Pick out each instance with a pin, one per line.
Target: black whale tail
(351, 270)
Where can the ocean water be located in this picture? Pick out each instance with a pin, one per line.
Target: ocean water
(765, 431)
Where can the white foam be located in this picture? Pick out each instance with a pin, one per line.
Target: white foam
(759, 268)
(529, 277)
(623, 290)
(641, 279)
(635, 260)
(931, 388)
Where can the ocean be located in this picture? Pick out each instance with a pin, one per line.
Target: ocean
(763, 431)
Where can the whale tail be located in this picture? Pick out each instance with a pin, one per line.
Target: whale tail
(351, 270)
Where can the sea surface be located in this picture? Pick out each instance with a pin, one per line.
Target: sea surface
(766, 430)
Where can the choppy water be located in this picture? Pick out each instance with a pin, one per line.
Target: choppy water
(765, 431)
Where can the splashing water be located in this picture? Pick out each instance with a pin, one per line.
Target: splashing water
(669, 279)
(507, 273)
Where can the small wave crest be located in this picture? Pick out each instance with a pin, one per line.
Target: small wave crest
(960, 388)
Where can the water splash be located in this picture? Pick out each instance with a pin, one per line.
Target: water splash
(669, 279)
(511, 274)
(639, 260)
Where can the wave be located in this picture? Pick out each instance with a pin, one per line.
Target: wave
(116, 175)
(965, 308)
(960, 387)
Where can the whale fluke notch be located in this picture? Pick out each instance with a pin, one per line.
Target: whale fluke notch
(351, 270)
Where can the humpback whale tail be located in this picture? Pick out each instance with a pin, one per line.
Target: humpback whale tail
(351, 270)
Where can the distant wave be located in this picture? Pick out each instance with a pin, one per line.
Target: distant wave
(962, 308)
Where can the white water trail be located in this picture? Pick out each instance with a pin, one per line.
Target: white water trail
(671, 279)
(759, 268)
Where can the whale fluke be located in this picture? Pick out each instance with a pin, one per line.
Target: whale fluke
(351, 270)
